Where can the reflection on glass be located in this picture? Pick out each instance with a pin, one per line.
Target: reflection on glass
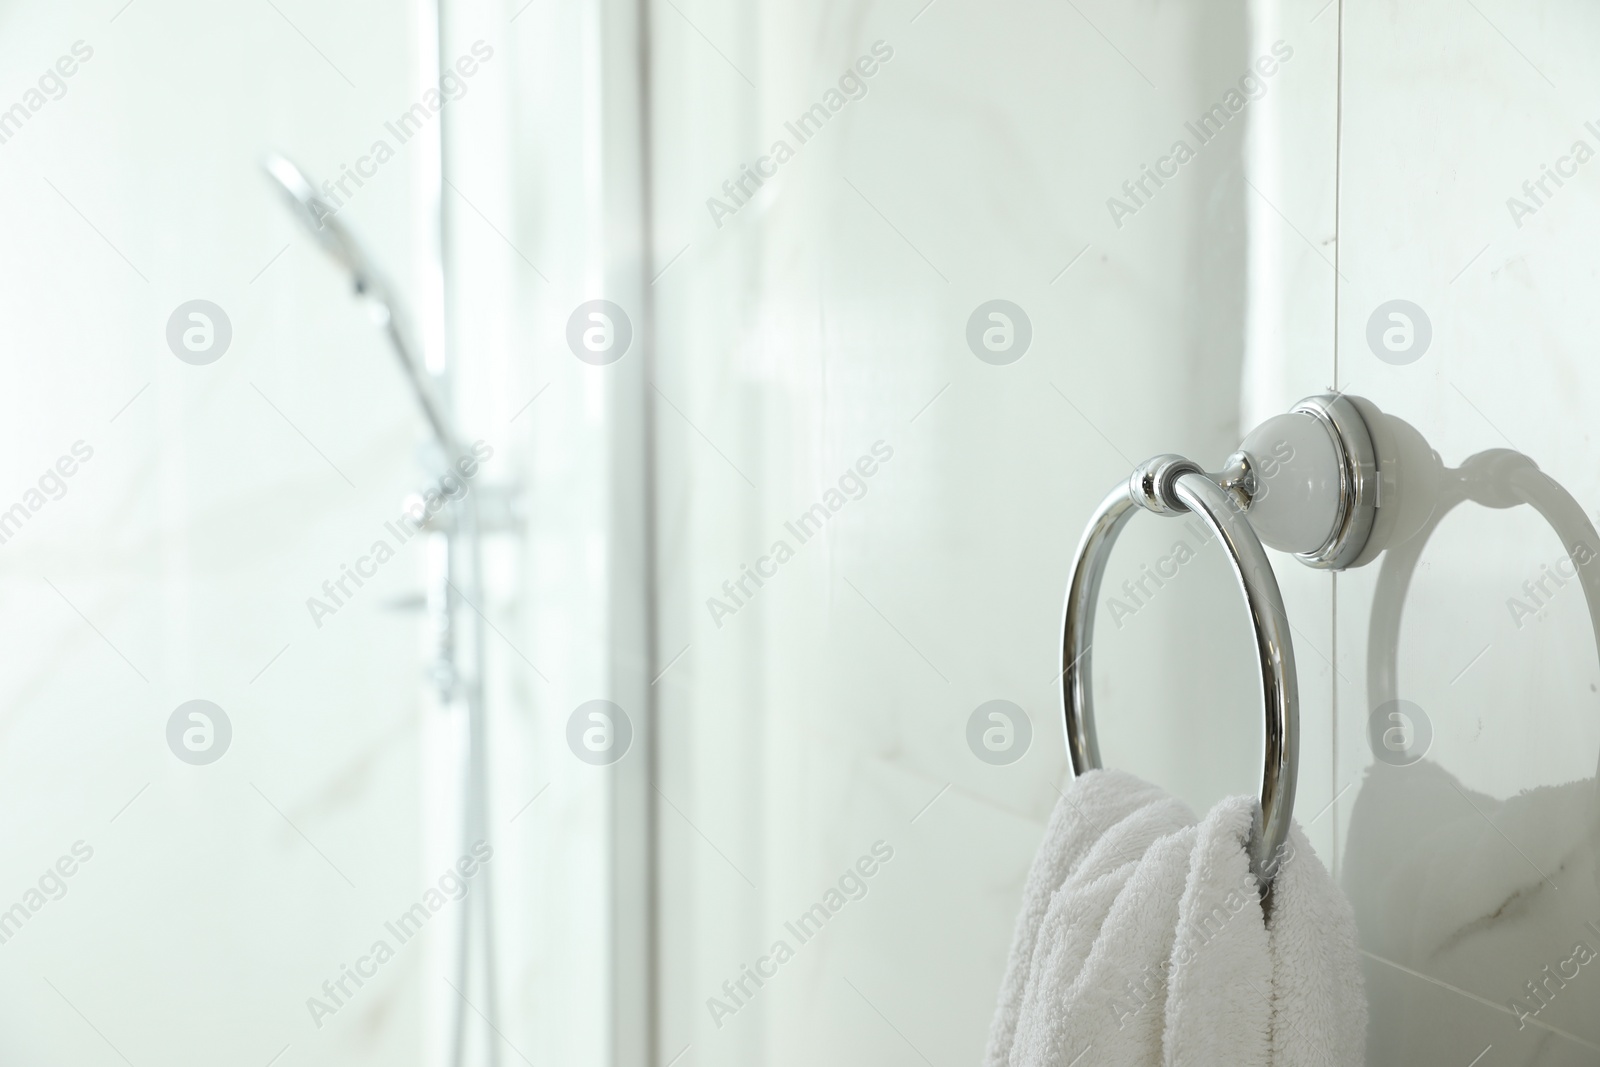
(1480, 916)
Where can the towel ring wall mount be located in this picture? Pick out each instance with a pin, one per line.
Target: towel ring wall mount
(1304, 482)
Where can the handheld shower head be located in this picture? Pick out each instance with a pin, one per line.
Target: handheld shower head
(321, 220)
(339, 243)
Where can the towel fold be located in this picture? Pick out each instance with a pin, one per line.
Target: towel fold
(1142, 941)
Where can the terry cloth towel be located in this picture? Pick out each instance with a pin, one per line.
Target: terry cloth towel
(1141, 941)
(1480, 918)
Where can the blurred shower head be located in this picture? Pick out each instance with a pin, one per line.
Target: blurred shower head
(320, 219)
(339, 243)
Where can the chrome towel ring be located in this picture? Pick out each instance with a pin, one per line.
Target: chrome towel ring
(1316, 461)
(1170, 485)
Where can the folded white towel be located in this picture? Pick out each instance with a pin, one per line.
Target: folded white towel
(1141, 941)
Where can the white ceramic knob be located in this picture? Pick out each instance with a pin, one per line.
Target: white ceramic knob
(1296, 500)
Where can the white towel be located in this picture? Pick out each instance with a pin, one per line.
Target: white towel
(1460, 895)
(1141, 941)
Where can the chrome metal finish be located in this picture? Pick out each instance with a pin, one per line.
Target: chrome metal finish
(1358, 480)
(1171, 485)
(343, 247)
(1151, 484)
(1238, 477)
(1077, 628)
